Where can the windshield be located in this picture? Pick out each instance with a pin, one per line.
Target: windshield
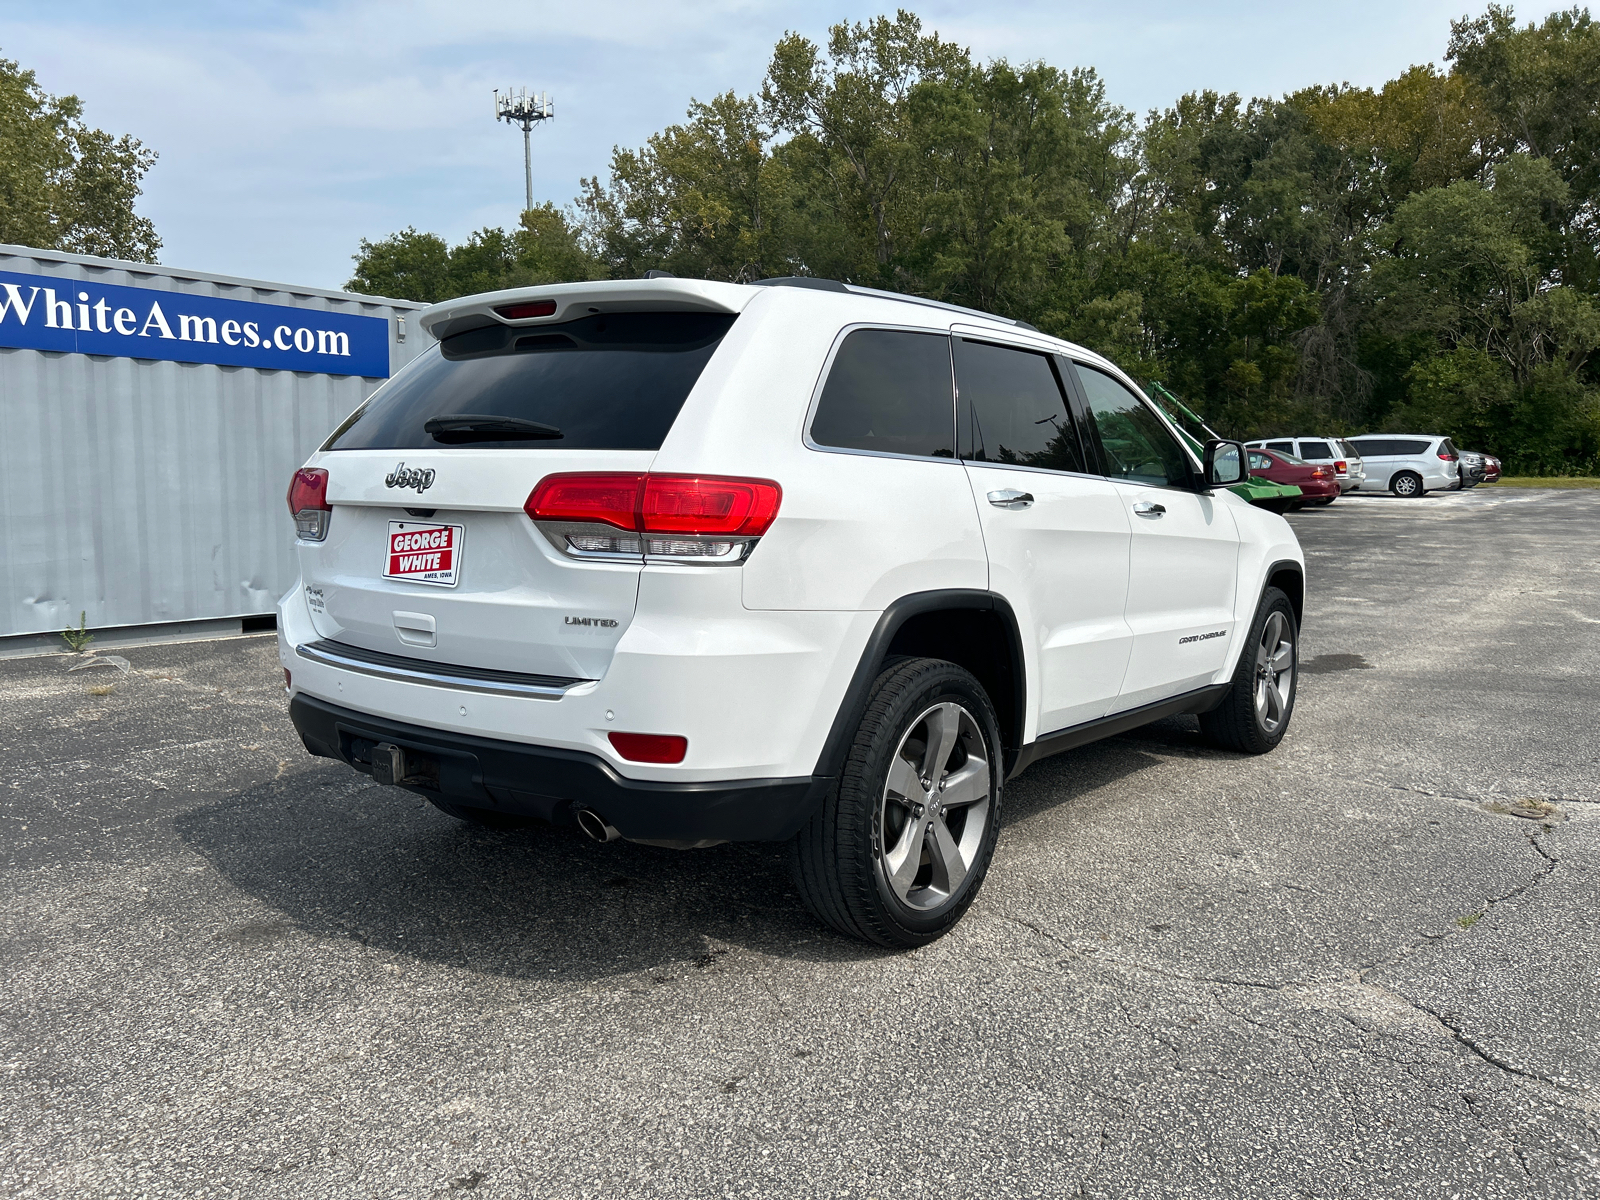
(612, 381)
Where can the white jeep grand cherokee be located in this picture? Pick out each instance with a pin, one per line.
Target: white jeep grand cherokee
(688, 562)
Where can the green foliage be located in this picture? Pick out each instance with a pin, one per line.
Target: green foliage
(1423, 256)
(78, 639)
(65, 185)
(544, 248)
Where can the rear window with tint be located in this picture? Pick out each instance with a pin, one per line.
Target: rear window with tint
(1351, 450)
(1315, 450)
(889, 392)
(1011, 409)
(614, 381)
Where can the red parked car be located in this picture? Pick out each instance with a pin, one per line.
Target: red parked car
(1318, 482)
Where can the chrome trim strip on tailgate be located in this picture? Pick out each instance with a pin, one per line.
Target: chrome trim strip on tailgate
(415, 670)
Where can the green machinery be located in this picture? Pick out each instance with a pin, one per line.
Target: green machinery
(1257, 491)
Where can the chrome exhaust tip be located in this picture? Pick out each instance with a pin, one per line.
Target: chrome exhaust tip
(595, 826)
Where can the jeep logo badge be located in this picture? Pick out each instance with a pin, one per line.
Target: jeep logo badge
(404, 477)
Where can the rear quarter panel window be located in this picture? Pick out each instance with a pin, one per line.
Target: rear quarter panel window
(888, 392)
(612, 381)
(1315, 451)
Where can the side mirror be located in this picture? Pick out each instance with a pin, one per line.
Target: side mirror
(1226, 463)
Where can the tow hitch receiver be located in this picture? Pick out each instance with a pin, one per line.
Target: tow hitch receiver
(392, 765)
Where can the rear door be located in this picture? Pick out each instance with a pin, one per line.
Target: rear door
(1184, 553)
(429, 553)
(1056, 533)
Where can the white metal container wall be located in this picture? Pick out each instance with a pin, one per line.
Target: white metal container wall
(142, 491)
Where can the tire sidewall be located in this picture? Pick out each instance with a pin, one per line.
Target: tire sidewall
(949, 684)
(1276, 603)
(1411, 493)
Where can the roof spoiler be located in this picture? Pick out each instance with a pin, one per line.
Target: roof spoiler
(558, 302)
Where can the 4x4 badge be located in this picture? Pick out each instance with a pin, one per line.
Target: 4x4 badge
(404, 477)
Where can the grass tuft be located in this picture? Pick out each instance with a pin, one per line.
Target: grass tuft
(1546, 481)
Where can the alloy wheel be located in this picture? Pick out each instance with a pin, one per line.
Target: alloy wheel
(935, 807)
(1274, 672)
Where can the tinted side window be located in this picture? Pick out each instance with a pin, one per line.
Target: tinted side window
(1011, 409)
(1315, 450)
(609, 382)
(1135, 445)
(1376, 447)
(1285, 447)
(889, 391)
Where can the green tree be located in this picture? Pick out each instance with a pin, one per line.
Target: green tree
(65, 185)
(546, 247)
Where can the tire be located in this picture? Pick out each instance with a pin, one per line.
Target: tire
(1254, 714)
(1407, 485)
(486, 818)
(878, 860)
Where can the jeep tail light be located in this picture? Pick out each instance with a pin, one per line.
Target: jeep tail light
(607, 499)
(308, 501)
(650, 747)
(1341, 466)
(533, 308)
(708, 505)
(688, 518)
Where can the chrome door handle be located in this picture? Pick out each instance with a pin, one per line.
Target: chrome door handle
(1010, 498)
(1149, 508)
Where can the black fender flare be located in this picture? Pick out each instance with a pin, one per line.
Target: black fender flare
(831, 761)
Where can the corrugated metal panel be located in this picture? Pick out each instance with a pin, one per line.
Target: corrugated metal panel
(141, 491)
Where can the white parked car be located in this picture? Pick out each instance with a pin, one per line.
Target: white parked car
(1346, 459)
(1409, 464)
(688, 562)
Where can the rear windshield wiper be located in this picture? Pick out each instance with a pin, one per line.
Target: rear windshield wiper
(473, 427)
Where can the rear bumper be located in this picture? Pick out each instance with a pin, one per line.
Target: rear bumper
(552, 784)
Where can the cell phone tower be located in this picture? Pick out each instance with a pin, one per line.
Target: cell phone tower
(519, 108)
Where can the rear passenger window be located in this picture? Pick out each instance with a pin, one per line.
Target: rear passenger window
(1011, 409)
(1281, 447)
(1376, 447)
(1315, 450)
(889, 391)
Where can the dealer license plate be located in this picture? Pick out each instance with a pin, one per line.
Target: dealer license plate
(419, 552)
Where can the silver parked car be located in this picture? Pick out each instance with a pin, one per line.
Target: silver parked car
(1472, 467)
(1409, 464)
(1346, 459)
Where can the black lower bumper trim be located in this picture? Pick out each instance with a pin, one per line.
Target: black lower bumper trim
(552, 784)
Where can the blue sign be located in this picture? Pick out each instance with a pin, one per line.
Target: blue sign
(77, 316)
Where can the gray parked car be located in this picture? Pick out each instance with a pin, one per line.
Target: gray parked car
(1346, 459)
(1473, 468)
(1409, 464)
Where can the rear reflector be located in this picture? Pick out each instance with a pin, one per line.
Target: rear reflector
(650, 747)
(534, 308)
(651, 503)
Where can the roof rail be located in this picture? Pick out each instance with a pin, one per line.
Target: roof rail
(802, 281)
(971, 312)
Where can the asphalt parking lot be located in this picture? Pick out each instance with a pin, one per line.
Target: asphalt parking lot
(1366, 965)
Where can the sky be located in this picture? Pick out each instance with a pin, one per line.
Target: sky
(287, 132)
